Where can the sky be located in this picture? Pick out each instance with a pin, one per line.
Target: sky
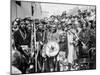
(57, 9)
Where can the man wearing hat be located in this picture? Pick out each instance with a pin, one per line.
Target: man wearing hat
(22, 40)
(52, 36)
(63, 53)
(40, 40)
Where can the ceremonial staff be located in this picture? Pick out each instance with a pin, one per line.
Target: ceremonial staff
(33, 44)
(36, 52)
(33, 38)
(34, 27)
(32, 50)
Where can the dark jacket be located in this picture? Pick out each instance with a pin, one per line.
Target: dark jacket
(18, 39)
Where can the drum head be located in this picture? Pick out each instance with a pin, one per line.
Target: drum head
(52, 48)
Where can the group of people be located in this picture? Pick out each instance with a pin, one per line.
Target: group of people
(58, 43)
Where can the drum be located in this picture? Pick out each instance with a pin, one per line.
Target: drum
(51, 49)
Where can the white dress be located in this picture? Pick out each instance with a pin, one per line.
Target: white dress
(70, 47)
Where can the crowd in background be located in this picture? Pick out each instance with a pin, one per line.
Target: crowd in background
(63, 21)
(82, 25)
